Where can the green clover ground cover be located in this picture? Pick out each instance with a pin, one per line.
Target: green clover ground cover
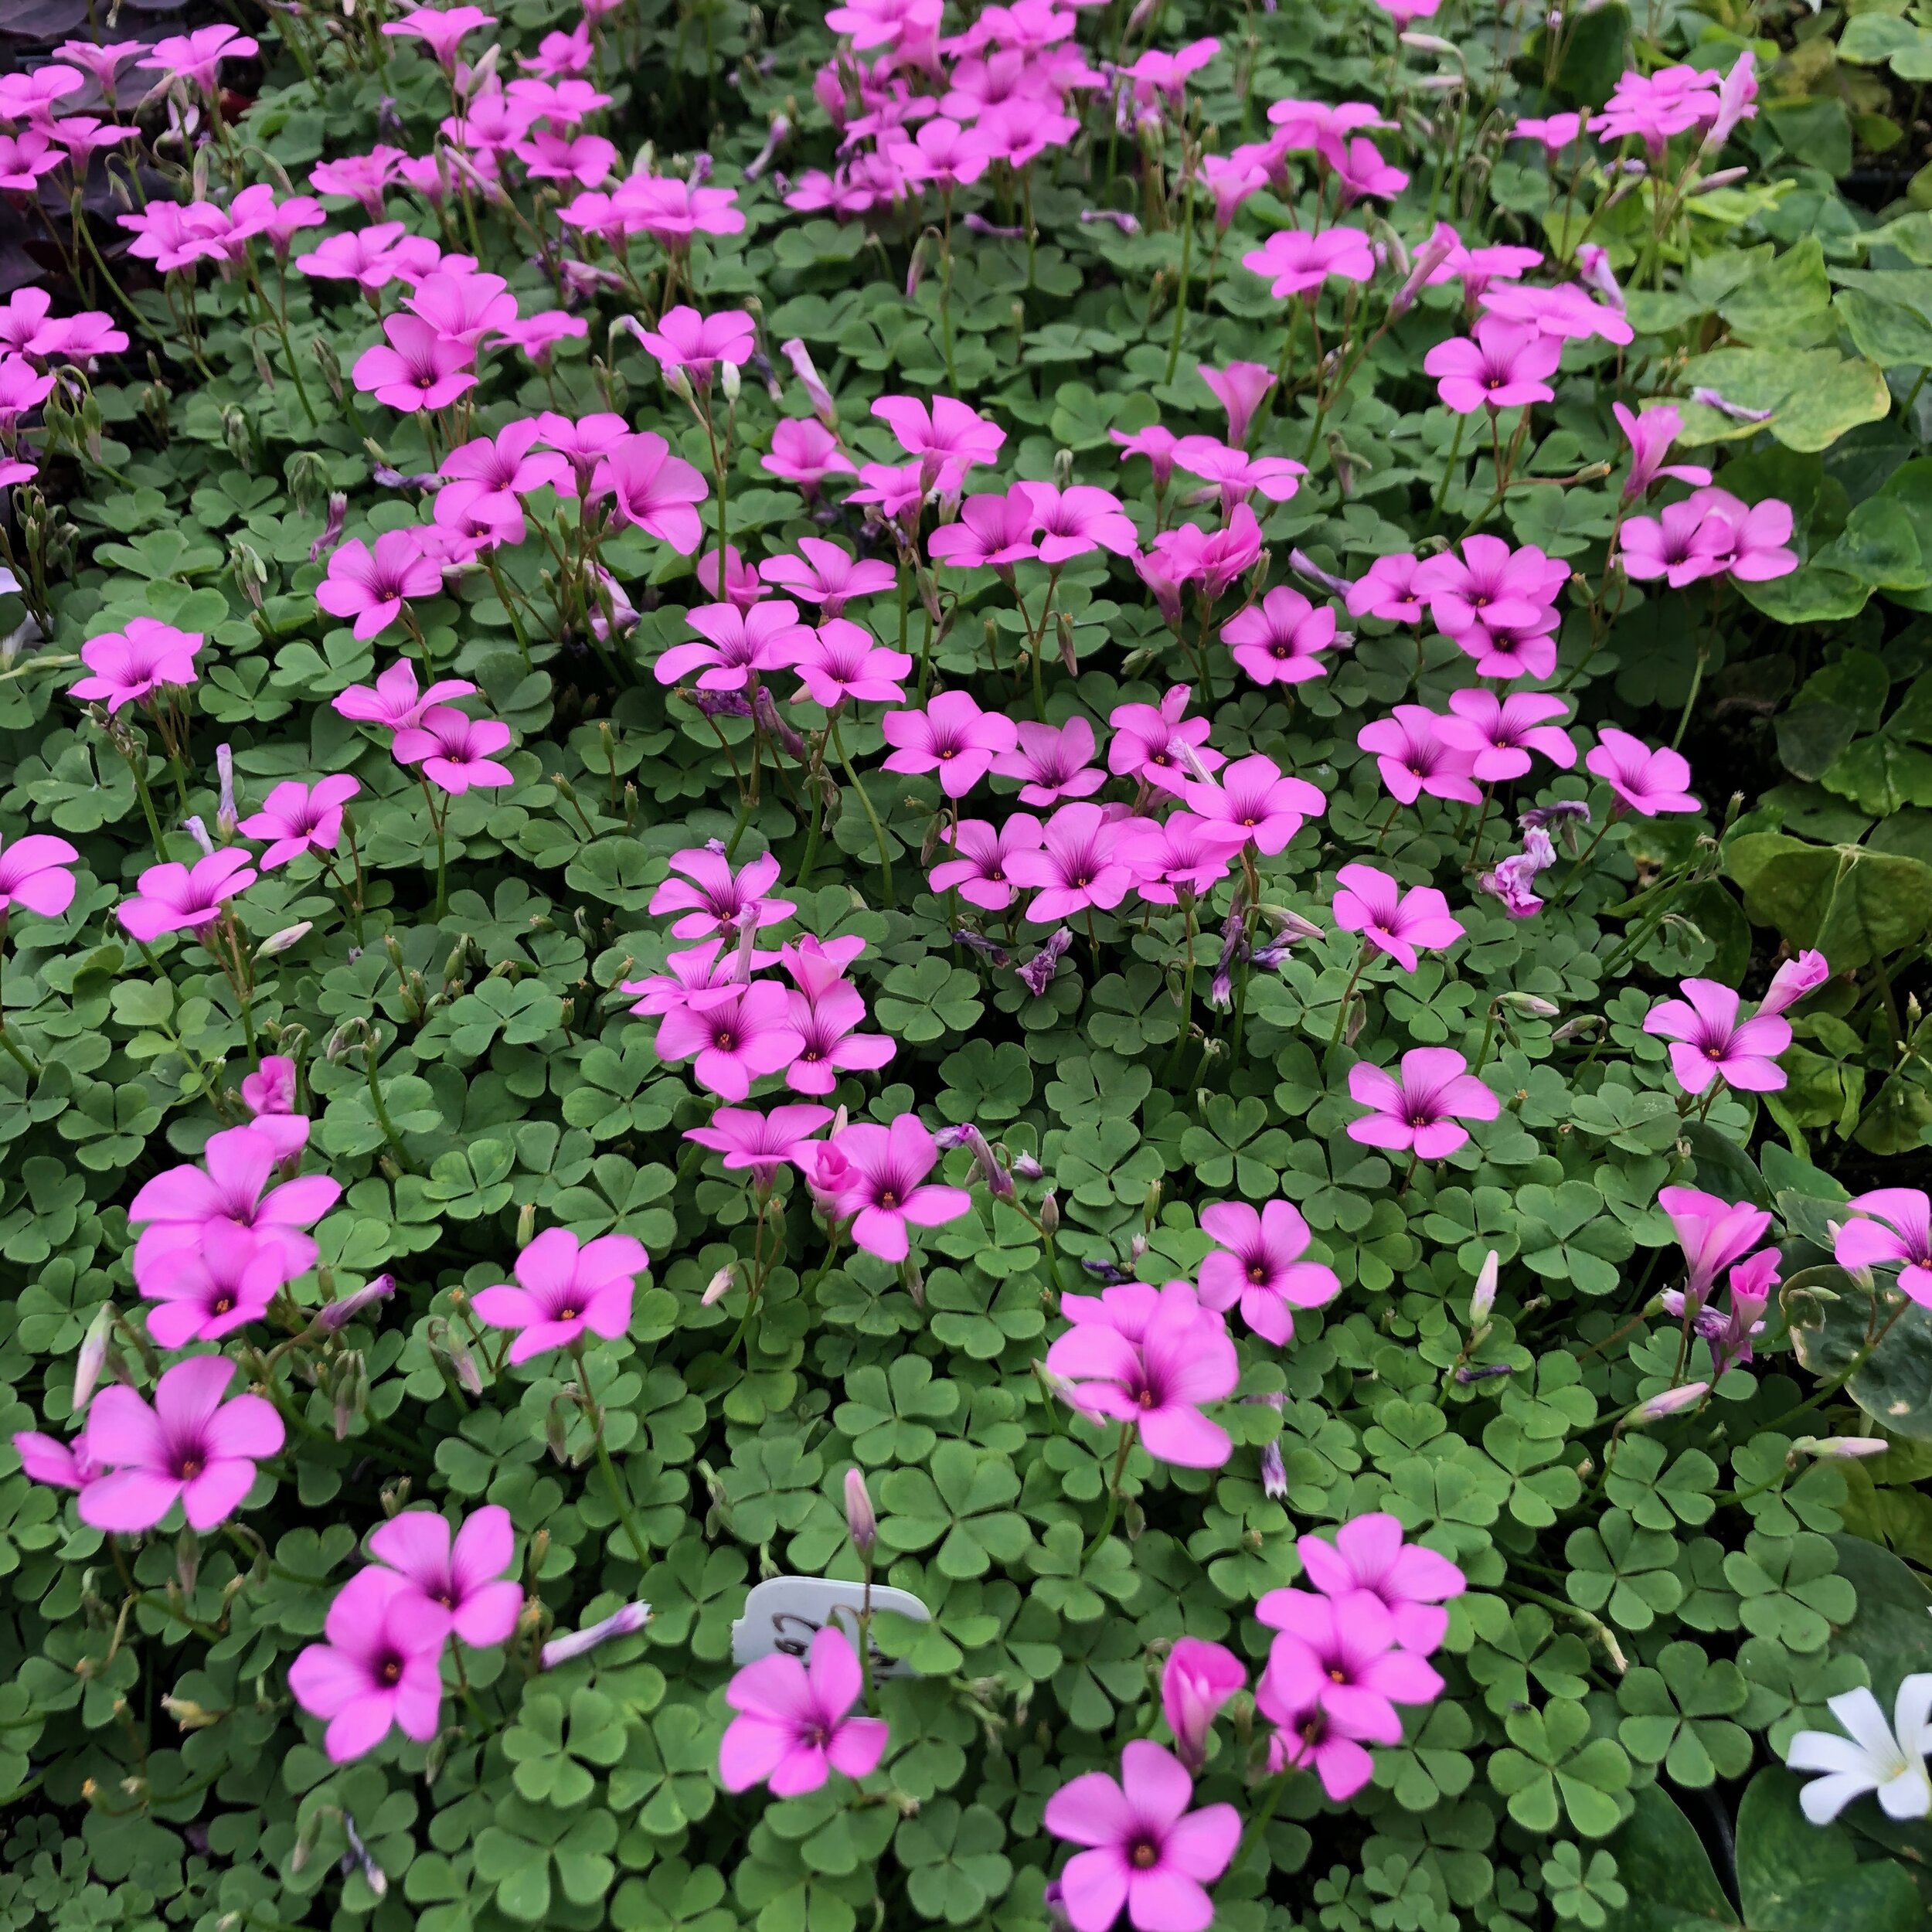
(1109, 824)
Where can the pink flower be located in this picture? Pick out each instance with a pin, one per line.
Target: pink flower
(1501, 733)
(760, 1144)
(652, 488)
(230, 1185)
(1257, 1265)
(173, 898)
(824, 574)
(683, 339)
(671, 211)
(1710, 1042)
(738, 644)
(299, 818)
(1646, 782)
(1730, 1335)
(1160, 745)
(1390, 591)
(1891, 1227)
(824, 1010)
(713, 898)
(951, 735)
(1154, 443)
(1056, 762)
(459, 1581)
(949, 439)
(1489, 584)
(1156, 1379)
(34, 873)
(1681, 544)
(1359, 170)
(794, 1727)
(944, 153)
(1292, 262)
(537, 336)
(979, 873)
(841, 660)
(1759, 536)
(1338, 1659)
(565, 1287)
(454, 749)
(1394, 922)
(269, 1094)
(1307, 1736)
(1198, 1678)
(1650, 437)
(371, 257)
(733, 1036)
(1167, 857)
(1235, 474)
(418, 368)
(805, 453)
(1410, 1581)
(993, 533)
(1714, 1232)
(131, 664)
(884, 1184)
(1149, 1853)
(371, 586)
(1418, 1108)
(1280, 640)
(224, 1282)
(379, 1668)
(1736, 94)
(1077, 521)
(1252, 798)
(193, 1447)
(1078, 866)
(1414, 756)
(1555, 131)
(1793, 981)
(1231, 180)
(1565, 312)
(698, 969)
(1504, 367)
(1654, 107)
(194, 57)
(1240, 389)
(392, 701)
(59, 1465)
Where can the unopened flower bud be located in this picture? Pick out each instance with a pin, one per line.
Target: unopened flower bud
(1672, 1402)
(861, 1523)
(525, 1224)
(338, 1314)
(730, 381)
(93, 1357)
(288, 937)
(623, 1623)
(719, 1286)
(1050, 1213)
(1529, 1005)
(1483, 1301)
(1839, 1448)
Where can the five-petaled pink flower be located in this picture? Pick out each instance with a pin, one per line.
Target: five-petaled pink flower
(417, 368)
(1414, 756)
(462, 1579)
(951, 735)
(1147, 1853)
(1502, 367)
(379, 1668)
(1419, 1106)
(1411, 1581)
(1646, 782)
(227, 1280)
(738, 644)
(393, 701)
(1712, 1232)
(1257, 1266)
(131, 664)
(882, 1184)
(733, 1036)
(979, 873)
(760, 1144)
(795, 1725)
(1254, 796)
(824, 574)
(713, 899)
(1078, 866)
(298, 818)
(1500, 733)
(683, 339)
(1292, 262)
(1155, 1378)
(372, 586)
(1394, 922)
(454, 749)
(175, 898)
(194, 1445)
(1159, 744)
(841, 660)
(949, 438)
(1709, 1041)
(1054, 761)
(1280, 640)
(565, 1287)
(1890, 1227)
(652, 488)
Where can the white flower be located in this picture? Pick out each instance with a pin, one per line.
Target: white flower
(1872, 1758)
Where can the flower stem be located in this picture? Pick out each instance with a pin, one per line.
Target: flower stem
(872, 817)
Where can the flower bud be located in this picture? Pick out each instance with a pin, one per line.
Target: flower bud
(730, 381)
(1672, 1402)
(1528, 1005)
(1484, 1299)
(525, 1224)
(93, 1357)
(281, 942)
(1839, 1448)
(1050, 1213)
(623, 1623)
(861, 1524)
(338, 1314)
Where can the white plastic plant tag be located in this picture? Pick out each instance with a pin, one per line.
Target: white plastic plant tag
(785, 1613)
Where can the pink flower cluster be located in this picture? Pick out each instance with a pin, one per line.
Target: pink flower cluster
(1497, 604)
(454, 751)
(1711, 533)
(1714, 1234)
(379, 1668)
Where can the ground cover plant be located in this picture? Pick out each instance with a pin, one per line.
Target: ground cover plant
(1099, 839)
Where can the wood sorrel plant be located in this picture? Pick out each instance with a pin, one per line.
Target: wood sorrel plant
(1107, 830)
